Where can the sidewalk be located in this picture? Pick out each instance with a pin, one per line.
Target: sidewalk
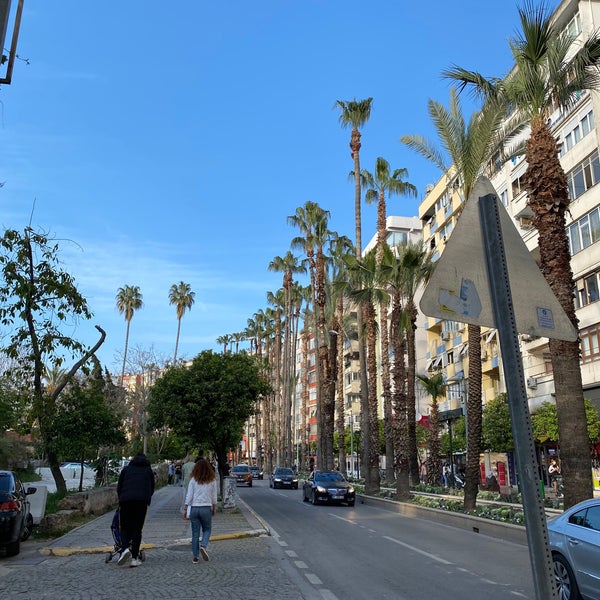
(164, 527)
(245, 561)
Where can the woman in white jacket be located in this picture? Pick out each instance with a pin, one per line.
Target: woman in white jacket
(200, 506)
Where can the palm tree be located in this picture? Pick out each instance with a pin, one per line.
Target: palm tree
(436, 388)
(377, 185)
(129, 299)
(182, 297)
(549, 74)
(365, 289)
(469, 146)
(355, 114)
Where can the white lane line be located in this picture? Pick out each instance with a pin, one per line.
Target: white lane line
(328, 595)
(418, 551)
(301, 564)
(291, 554)
(313, 579)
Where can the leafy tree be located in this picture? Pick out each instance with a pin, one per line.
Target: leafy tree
(129, 299)
(544, 422)
(551, 69)
(85, 421)
(496, 425)
(37, 298)
(182, 297)
(459, 439)
(436, 388)
(210, 400)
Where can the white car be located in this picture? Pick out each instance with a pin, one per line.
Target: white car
(575, 545)
(74, 465)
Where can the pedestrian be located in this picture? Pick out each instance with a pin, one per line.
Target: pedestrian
(188, 467)
(171, 473)
(200, 506)
(554, 472)
(178, 475)
(134, 489)
(423, 473)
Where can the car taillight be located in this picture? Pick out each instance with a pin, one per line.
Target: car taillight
(10, 506)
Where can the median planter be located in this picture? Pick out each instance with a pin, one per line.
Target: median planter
(477, 525)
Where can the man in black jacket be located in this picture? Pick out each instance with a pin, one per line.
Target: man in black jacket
(135, 489)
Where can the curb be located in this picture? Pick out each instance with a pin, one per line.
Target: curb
(66, 551)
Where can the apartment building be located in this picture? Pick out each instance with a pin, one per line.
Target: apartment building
(579, 142)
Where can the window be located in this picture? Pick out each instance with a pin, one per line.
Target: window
(584, 232)
(590, 343)
(576, 133)
(397, 238)
(573, 28)
(504, 198)
(517, 186)
(585, 175)
(587, 290)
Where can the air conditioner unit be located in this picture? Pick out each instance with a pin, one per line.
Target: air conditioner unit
(525, 223)
(532, 383)
(484, 355)
(526, 338)
(445, 335)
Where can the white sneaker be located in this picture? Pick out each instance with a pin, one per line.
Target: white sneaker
(135, 562)
(204, 552)
(124, 558)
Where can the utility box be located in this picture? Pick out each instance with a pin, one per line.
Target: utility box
(229, 492)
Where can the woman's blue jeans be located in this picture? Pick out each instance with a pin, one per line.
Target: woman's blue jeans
(201, 518)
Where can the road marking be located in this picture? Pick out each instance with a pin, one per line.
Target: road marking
(328, 595)
(301, 564)
(291, 554)
(419, 551)
(313, 579)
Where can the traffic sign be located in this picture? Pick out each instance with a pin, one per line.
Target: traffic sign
(458, 289)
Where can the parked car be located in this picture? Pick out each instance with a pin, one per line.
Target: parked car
(76, 465)
(242, 474)
(16, 521)
(257, 472)
(575, 545)
(283, 477)
(328, 486)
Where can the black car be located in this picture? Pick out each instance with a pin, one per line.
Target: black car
(242, 474)
(328, 486)
(16, 521)
(283, 477)
(257, 472)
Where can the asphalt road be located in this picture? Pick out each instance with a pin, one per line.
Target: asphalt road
(366, 552)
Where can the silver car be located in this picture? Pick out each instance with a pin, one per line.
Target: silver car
(575, 545)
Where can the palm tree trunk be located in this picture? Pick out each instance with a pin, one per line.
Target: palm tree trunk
(125, 352)
(177, 341)
(372, 485)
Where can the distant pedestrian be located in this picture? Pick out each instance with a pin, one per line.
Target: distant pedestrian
(171, 472)
(423, 473)
(200, 506)
(188, 467)
(178, 474)
(134, 489)
(554, 472)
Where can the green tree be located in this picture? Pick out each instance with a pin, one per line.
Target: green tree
(85, 422)
(545, 423)
(496, 425)
(129, 299)
(38, 299)
(550, 71)
(210, 400)
(182, 297)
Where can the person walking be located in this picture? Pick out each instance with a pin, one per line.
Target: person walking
(134, 489)
(200, 506)
(188, 467)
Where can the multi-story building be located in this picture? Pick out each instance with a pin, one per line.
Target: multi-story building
(579, 144)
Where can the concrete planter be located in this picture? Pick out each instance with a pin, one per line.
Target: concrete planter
(477, 525)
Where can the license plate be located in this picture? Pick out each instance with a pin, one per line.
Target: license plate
(338, 497)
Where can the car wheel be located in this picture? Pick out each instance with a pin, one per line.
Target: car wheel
(296, 487)
(249, 484)
(565, 580)
(351, 503)
(28, 528)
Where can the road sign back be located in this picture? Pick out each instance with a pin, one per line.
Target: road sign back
(458, 289)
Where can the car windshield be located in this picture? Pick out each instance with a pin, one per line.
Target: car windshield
(284, 472)
(329, 476)
(240, 469)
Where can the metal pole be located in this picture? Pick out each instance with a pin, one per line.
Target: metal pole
(504, 317)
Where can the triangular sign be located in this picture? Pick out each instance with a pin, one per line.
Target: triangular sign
(458, 289)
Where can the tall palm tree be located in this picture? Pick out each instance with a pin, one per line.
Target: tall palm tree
(365, 289)
(312, 220)
(383, 181)
(469, 146)
(129, 299)
(354, 115)
(182, 297)
(436, 388)
(549, 72)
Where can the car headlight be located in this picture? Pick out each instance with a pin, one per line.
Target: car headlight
(350, 489)
(277, 478)
(321, 489)
(295, 480)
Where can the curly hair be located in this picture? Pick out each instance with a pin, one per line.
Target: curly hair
(203, 471)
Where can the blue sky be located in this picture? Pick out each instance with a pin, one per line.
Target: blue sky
(169, 141)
